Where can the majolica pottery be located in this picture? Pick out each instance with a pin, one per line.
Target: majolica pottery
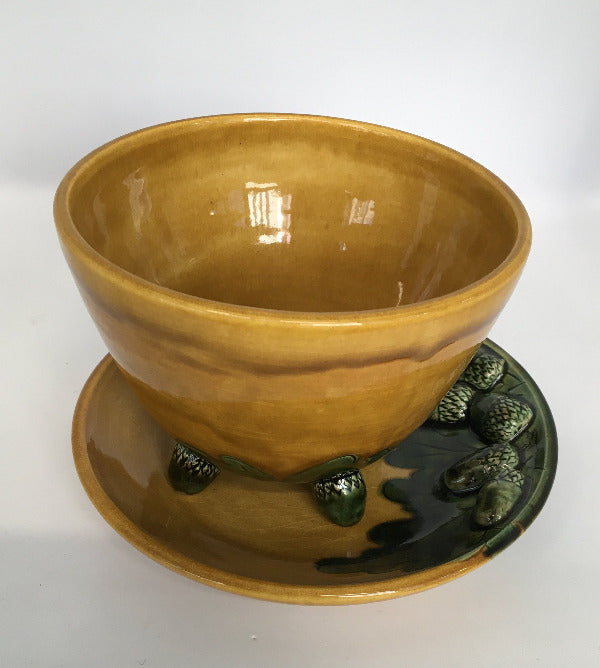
(441, 503)
(289, 296)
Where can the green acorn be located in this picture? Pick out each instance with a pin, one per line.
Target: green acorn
(473, 471)
(499, 418)
(342, 496)
(189, 470)
(484, 370)
(497, 498)
(454, 405)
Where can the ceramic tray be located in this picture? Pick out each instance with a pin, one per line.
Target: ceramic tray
(268, 540)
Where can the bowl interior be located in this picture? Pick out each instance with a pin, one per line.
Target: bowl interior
(298, 214)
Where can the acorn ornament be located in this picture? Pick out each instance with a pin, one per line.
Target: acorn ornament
(469, 474)
(341, 497)
(189, 470)
(497, 498)
(453, 407)
(484, 370)
(499, 418)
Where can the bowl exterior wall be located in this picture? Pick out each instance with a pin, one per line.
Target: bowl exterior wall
(278, 394)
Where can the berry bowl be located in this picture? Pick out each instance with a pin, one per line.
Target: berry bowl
(288, 296)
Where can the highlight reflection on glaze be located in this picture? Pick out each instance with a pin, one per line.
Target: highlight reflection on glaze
(267, 207)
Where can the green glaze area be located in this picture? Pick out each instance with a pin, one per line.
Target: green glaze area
(497, 498)
(244, 468)
(471, 473)
(190, 470)
(328, 468)
(445, 526)
(337, 465)
(499, 417)
(342, 497)
(377, 456)
(454, 406)
(484, 370)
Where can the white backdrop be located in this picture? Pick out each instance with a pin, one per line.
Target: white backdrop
(515, 85)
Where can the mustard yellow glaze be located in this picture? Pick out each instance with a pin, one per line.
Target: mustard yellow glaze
(250, 537)
(289, 289)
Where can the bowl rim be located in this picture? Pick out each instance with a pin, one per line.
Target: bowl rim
(139, 287)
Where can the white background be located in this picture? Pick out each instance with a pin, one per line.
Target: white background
(515, 85)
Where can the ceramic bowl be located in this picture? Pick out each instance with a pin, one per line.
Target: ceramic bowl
(289, 294)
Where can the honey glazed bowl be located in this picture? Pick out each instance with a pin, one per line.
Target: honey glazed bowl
(289, 295)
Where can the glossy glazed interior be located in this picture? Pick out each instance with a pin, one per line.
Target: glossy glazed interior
(327, 225)
(293, 216)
